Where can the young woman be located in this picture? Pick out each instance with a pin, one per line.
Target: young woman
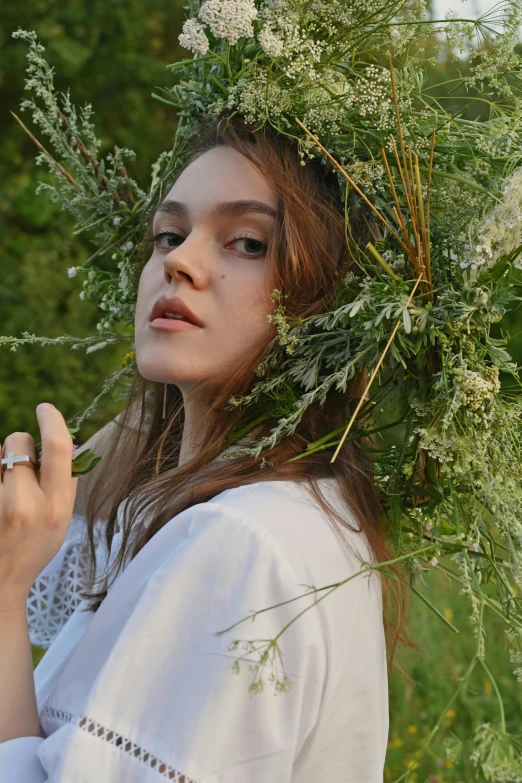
(138, 684)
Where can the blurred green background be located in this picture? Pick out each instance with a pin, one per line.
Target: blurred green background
(113, 55)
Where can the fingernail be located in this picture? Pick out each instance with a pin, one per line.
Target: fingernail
(44, 406)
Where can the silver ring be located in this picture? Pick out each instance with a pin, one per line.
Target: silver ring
(22, 459)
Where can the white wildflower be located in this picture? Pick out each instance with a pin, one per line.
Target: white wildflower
(127, 246)
(256, 98)
(365, 284)
(373, 93)
(366, 173)
(515, 656)
(82, 294)
(433, 561)
(270, 43)
(476, 388)
(193, 38)
(458, 33)
(285, 33)
(229, 19)
(501, 232)
(495, 753)
(321, 115)
(72, 271)
(118, 218)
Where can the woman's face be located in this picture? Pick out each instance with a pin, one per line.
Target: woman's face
(213, 258)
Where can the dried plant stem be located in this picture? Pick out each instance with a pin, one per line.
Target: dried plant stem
(374, 373)
(397, 209)
(402, 176)
(409, 173)
(63, 171)
(430, 172)
(415, 214)
(408, 185)
(425, 242)
(352, 183)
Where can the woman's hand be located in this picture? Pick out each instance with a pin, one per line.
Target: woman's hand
(35, 512)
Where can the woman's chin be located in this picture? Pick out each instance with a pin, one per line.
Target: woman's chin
(155, 372)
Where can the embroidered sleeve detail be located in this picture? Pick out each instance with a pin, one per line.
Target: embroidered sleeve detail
(56, 593)
(122, 743)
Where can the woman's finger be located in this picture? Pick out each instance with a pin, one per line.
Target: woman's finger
(21, 478)
(56, 455)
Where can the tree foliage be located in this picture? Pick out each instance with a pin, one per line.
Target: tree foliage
(113, 56)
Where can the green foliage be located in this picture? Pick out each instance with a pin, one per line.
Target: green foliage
(419, 701)
(115, 54)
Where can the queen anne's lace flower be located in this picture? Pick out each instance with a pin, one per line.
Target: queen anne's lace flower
(270, 43)
(497, 755)
(515, 656)
(193, 37)
(283, 34)
(229, 19)
(501, 232)
(366, 174)
(477, 389)
(256, 98)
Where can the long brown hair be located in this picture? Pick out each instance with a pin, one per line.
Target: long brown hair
(308, 253)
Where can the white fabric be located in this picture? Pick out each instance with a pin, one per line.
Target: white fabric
(143, 689)
(55, 594)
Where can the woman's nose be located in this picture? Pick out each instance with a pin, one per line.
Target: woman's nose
(186, 262)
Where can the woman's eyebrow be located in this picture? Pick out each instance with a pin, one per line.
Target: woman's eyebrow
(223, 209)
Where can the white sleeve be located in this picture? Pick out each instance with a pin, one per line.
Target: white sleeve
(19, 762)
(165, 701)
(55, 594)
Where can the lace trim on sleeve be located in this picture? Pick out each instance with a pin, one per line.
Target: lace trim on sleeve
(120, 742)
(55, 595)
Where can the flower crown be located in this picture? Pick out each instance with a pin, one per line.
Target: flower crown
(349, 84)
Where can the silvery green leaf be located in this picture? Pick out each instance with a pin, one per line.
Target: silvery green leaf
(406, 320)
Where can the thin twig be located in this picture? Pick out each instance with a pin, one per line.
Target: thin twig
(414, 215)
(48, 154)
(408, 189)
(401, 173)
(352, 183)
(425, 243)
(430, 172)
(374, 373)
(397, 208)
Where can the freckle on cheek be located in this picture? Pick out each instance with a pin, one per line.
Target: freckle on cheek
(222, 277)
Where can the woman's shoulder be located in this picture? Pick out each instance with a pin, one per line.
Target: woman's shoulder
(286, 514)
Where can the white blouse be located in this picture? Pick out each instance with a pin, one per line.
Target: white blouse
(144, 688)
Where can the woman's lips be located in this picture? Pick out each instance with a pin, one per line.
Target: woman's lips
(172, 324)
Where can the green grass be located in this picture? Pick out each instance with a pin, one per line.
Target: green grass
(415, 706)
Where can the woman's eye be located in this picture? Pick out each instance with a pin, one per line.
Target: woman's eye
(251, 245)
(167, 234)
(247, 245)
